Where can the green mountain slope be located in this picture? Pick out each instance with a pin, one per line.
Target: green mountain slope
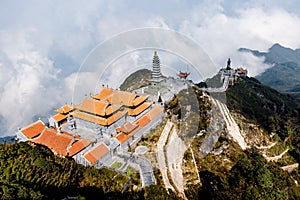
(33, 172)
(237, 174)
(136, 80)
(272, 110)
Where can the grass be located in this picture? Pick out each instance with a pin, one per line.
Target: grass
(222, 163)
(115, 165)
(188, 167)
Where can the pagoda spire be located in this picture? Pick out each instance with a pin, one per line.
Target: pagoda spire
(156, 74)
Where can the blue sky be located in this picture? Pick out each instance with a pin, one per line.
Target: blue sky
(43, 43)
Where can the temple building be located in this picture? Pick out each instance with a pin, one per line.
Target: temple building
(183, 75)
(95, 130)
(241, 71)
(61, 116)
(60, 142)
(156, 73)
(31, 131)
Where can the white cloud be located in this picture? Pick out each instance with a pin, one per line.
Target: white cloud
(221, 35)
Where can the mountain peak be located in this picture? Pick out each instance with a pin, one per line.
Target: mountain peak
(277, 45)
(277, 48)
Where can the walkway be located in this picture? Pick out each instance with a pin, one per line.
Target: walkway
(266, 147)
(290, 168)
(275, 158)
(231, 126)
(161, 154)
(141, 163)
(223, 88)
(175, 152)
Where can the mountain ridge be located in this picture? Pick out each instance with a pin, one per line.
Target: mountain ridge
(284, 75)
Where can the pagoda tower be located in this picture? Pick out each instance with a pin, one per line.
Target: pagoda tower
(156, 74)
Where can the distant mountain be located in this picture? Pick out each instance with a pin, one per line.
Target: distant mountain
(8, 139)
(137, 79)
(284, 76)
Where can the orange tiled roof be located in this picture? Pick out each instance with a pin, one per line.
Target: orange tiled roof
(57, 142)
(122, 137)
(59, 117)
(104, 93)
(99, 120)
(96, 153)
(33, 129)
(127, 127)
(241, 71)
(155, 111)
(93, 106)
(143, 121)
(139, 109)
(115, 117)
(69, 134)
(121, 97)
(64, 110)
(90, 118)
(112, 108)
(78, 146)
(140, 99)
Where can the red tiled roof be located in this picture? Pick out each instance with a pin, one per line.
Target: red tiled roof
(59, 117)
(57, 142)
(183, 74)
(33, 129)
(96, 153)
(64, 109)
(78, 146)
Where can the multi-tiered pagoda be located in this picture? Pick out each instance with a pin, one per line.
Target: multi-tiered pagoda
(156, 74)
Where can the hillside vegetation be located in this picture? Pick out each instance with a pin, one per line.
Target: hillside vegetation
(136, 80)
(237, 174)
(33, 172)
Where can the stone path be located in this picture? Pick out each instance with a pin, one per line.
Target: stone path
(266, 147)
(175, 152)
(231, 126)
(275, 158)
(220, 89)
(290, 168)
(161, 154)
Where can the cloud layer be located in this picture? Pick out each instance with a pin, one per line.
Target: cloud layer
(44, 43)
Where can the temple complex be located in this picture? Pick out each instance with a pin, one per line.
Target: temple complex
(96, 130)
(104, 126)
(232, 74)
